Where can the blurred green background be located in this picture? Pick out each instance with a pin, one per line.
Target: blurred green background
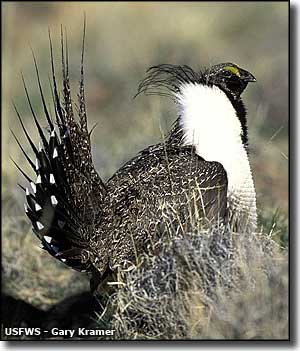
(123, 40)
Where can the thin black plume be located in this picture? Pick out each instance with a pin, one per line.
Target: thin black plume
(42, 136)
(23, 151)
(25, 131)
(166, 80)
(41, 93)
(59, 114)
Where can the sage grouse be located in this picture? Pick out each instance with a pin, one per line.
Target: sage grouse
(201, 169)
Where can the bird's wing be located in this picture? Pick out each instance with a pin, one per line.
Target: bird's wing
(67, 194)
(161, 186)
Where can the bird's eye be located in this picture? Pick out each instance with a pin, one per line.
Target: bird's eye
(233, 70)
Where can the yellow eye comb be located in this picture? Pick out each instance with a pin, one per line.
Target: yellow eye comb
(233, 70)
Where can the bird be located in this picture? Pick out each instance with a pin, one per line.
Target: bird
(199, 170)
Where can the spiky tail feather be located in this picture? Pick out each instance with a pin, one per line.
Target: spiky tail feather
(65, 199)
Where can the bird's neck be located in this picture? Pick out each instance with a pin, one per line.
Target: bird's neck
(208, 120)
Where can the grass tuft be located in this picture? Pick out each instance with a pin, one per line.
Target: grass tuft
(211, 284)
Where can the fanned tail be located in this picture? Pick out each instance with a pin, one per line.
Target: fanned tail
(64, 200)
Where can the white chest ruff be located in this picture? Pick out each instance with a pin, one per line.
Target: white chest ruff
(210, 124)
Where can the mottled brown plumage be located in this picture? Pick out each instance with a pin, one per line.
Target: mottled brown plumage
(161, 185)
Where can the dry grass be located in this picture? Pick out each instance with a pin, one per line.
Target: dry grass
(206, 285)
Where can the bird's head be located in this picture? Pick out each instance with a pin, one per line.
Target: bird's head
(177, 81)
(229, 77)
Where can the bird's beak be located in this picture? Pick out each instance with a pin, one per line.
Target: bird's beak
(247, 76)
